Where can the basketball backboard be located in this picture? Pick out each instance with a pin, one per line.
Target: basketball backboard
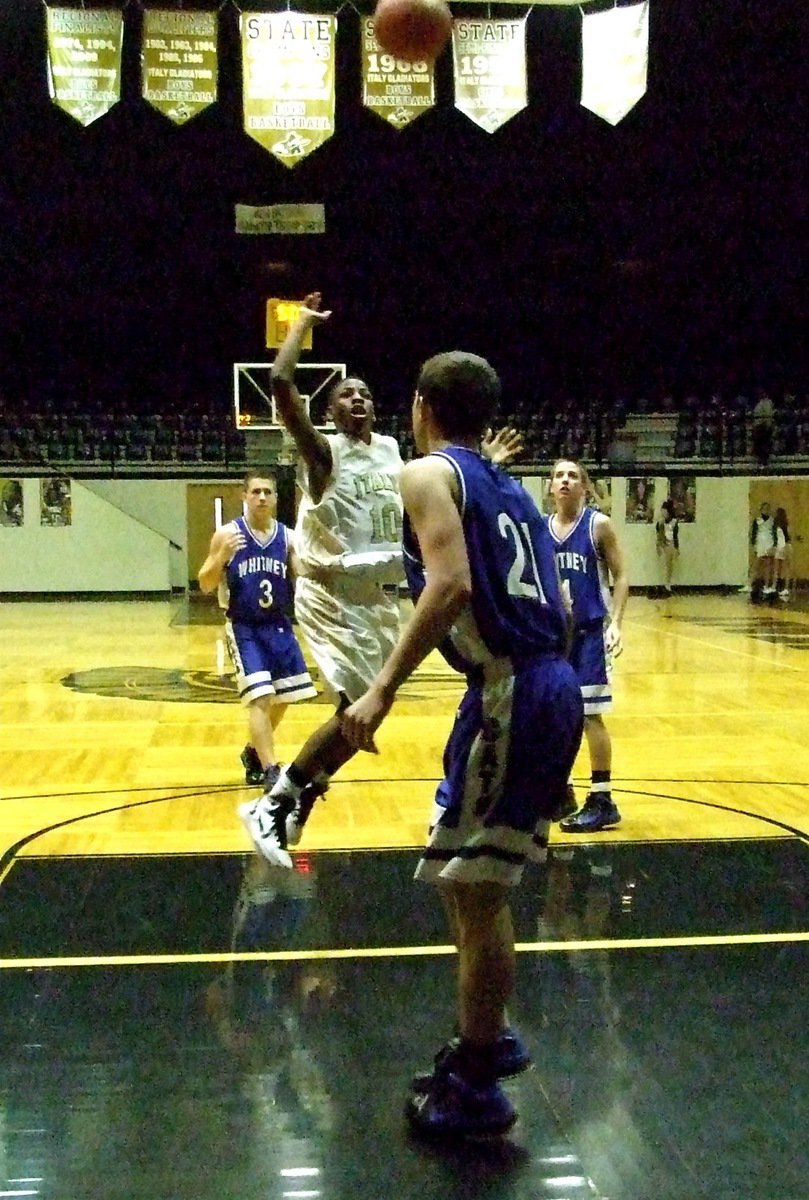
(254, 407)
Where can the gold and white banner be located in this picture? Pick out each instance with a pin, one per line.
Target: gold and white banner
(84, 60)
(398, 90)
(179, 69)
(280, 218)
(288, 81)
(615, 59)
(488, 59)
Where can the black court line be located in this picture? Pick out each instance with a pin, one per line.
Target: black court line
(740, 812)
(11, 853)
(400, 780)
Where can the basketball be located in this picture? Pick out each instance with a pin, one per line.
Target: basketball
(413, 30)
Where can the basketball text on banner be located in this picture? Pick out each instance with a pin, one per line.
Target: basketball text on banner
(287, 219)
(84, 60)
(288, 81)
(488, 59)
(179, 62)
(396, 89)
(615, 58)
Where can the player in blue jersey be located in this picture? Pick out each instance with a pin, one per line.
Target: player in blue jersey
(249, 561)
(588, 556)
(482, 567)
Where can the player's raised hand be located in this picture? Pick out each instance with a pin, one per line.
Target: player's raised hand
(503, 446)
(231, 541)
(311, 310)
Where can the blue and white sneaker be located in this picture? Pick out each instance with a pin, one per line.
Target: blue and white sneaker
(597, 812)
(512, 1059)
(265, 821)
(453, 1108)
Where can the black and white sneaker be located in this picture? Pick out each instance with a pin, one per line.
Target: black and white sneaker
(265, 821)
(303, 806)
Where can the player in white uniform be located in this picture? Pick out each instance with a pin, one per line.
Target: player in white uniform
(349, 547)
(348, 542)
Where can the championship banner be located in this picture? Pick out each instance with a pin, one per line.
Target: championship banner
(288, 81)
(399, 91)
(178, 62)
(488, 59)
(615, 58)
(280, 218)
(84, 60)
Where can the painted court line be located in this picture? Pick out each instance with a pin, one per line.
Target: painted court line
(652, 943)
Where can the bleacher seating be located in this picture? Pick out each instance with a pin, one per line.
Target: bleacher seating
(699, 429)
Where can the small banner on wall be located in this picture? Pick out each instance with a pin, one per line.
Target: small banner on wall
(488, 59)
(179, 67)
(615, 58)
(84, 60)
(288, 81)
(280, 218)
(395, 89)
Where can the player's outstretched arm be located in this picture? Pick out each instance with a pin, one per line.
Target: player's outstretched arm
(312, 445)
(224, 544)
(429, 494)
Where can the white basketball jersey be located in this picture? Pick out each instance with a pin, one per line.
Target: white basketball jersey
(360, 512)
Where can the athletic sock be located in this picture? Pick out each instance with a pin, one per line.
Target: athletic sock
(600, 785)
(290, 784)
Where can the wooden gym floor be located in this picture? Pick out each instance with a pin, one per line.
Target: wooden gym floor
(177, 1019)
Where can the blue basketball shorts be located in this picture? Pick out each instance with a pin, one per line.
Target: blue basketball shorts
(268, 662)
(506, 768)
(592, 663)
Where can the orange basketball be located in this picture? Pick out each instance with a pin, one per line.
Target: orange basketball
(413, 30)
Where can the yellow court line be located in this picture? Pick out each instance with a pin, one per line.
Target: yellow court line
(146, 960)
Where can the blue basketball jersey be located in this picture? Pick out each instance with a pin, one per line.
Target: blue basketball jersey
(582, 569)
(516, 607)
(257, 577)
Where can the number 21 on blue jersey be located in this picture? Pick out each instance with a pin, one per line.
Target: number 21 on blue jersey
(519, 539)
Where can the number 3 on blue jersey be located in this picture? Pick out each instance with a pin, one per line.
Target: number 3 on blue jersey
(520, 537)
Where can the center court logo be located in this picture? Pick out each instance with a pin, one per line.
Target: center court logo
(205, 687)
(154, 683)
